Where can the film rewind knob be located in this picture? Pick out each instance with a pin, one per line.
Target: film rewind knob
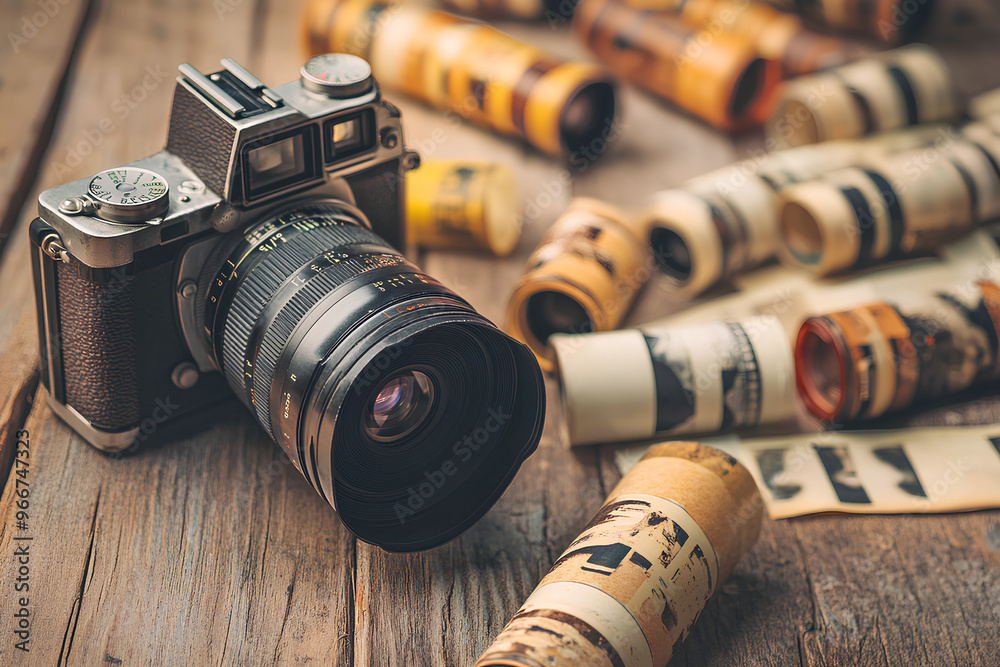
(337, 75)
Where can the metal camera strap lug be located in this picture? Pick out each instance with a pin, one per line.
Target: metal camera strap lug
(53, 246)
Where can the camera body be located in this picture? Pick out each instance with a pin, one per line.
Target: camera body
(118, 259)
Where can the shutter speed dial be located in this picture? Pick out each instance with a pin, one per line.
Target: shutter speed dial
(129, 195)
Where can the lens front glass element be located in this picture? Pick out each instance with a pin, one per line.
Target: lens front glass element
(401, 406)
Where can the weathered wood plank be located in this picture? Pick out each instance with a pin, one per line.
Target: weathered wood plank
(18, 384)
(41, 38)
(248, 563)
(927, 588)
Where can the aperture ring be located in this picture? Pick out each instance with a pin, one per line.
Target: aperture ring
(260, 277)
(291, 303)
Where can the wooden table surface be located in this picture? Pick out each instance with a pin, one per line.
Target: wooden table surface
(207, 548)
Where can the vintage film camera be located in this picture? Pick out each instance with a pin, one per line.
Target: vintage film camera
(258, 251)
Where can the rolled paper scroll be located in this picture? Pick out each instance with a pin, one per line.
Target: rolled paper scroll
(471, 69)
(629, 589)
(888, 21)
(889, 90)
(778, 36)
(867, 361)
(561, 10)
(703, 378)
(719, 78)
(583, 277)
(985, 104)
(463, 204)
(896, 206)
(713, 227)
(725, 222)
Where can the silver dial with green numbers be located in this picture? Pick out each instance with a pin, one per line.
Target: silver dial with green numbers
(129, 195)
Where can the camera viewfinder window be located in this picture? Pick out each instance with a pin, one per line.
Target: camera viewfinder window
(348, 136)
(277, 162)
(280, 163)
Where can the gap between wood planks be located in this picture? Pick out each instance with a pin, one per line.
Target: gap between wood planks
(88, 572)
(19, 407)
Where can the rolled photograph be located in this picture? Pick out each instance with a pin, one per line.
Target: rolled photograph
(893, 207)
(668, 380)
(722, 79)
(888, 90)
(886, 21)
(629, 589)
(778, 36)
(869, 361)
(463, 204)
(475, 71)
(583, 277)
(518, 10)
(726, 222)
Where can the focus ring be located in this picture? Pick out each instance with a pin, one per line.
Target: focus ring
(280, 328)
(257, 288)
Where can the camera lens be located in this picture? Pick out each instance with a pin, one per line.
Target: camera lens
(402, 406)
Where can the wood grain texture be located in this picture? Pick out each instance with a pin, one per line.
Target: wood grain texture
(40, 39)
(208, 548)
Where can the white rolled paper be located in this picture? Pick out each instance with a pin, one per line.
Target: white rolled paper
(703, 378)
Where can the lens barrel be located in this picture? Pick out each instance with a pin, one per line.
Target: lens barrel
(404, 408)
